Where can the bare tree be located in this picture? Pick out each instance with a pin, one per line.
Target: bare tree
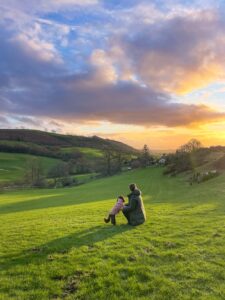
(34, 172)
(120, 160)
(108, 157)
(190, 146)
(59, 170)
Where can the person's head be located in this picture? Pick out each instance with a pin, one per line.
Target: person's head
(132, 187)
(121, 197)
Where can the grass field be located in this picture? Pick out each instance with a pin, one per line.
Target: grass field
(88, 152)
(12, 165)
(54, 244)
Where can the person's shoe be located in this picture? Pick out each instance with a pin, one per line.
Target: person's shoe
(106, 220)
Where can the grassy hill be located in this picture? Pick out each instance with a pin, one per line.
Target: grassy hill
(88, 152)
(51, 141)
(12, 165)
(54, 244)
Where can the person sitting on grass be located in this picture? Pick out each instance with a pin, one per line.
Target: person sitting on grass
(115, 210)
(134, 210)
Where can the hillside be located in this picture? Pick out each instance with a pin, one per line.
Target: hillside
(50, 140)
(12, 166)
(82, 154)
(54, 244)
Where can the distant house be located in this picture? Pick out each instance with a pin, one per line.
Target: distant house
(162, 161)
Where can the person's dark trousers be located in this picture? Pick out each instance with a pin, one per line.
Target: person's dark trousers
(112, 218)
(127, 216)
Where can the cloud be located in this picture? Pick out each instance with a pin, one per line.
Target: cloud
(72, 98)
(46, 5)
(22, 56)
(29, 121)
(74, 2)
(128, 80)
(39, 49)
(3, 121)
(179, 54)
(105, 71)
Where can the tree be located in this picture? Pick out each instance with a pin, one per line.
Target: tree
(186, 158)
(108, 157)
(34, 172)
(120, 161)
(191, 146)
(82, 166)
(112, 162)
(58, 171)
(146, 157)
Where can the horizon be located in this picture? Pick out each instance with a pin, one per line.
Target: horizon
(155, 150)
(131, 71)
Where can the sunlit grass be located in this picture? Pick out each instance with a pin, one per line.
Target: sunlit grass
(12, 165)
(54, 244)
(88, 152)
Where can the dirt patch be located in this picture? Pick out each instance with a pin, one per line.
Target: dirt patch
(170, 245)
(74, 281)
(58, 277)
(36, 250)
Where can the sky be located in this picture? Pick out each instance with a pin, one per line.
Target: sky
(142, 72)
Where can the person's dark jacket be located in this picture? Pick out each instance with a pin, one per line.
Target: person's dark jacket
(135, 208)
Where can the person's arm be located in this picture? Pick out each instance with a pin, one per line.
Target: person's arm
(132, 205)
(127, 204)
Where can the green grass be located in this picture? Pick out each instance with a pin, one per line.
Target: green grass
(54, 244)
(14, 143)
(88, 152)
(12, 165)
(85, 177)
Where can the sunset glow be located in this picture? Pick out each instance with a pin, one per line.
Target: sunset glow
(142, 72)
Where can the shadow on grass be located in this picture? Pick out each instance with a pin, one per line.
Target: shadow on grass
(44, 252)
(52, 201)
(159, 189)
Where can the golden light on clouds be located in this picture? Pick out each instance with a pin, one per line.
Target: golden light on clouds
(199, 78)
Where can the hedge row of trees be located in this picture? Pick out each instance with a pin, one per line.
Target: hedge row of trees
(187, 158)
(62, 173)
(54, 152)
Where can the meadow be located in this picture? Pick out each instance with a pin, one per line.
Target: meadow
(54, 244)
(88, 152)
(13, 165)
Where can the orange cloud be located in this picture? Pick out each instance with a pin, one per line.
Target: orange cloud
(179, 55)
(199, 78)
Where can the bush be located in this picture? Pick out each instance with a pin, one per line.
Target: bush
(179, 162)
(201, 177)
(68, 181)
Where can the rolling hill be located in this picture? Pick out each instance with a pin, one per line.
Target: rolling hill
(50, 141)
(86, 153)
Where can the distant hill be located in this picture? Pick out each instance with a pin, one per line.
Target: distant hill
(22, 140)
